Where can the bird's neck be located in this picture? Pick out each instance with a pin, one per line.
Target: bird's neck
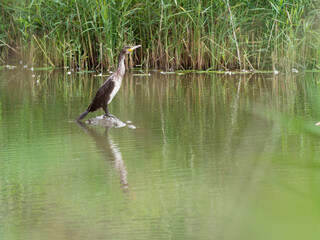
(121, 67)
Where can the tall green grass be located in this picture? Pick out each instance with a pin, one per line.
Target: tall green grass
(179, 34)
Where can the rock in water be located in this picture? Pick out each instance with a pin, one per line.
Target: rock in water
(106, 121)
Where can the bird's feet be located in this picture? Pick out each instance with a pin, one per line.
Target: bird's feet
(109, 116)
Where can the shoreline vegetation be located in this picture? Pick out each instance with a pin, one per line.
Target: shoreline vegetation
(211, 35)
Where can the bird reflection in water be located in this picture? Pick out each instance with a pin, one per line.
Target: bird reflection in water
(108, 148)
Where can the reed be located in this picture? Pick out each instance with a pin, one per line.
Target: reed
(180, 34)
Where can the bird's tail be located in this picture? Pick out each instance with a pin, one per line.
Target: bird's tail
(82, 115)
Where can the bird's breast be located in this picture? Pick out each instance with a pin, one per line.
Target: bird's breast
(117, 85)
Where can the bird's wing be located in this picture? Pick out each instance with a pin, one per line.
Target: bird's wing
(106, 88)
(103, 94)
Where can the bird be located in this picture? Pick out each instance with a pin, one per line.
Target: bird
(110, 87)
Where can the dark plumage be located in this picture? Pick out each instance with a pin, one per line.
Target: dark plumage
(110, 87)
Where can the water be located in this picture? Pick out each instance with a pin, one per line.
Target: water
(212, 157)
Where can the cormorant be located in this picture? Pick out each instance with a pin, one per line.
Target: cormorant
(110, 87)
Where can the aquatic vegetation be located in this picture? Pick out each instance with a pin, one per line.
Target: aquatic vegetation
(181, 34)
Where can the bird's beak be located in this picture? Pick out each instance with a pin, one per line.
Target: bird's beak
(134, 47)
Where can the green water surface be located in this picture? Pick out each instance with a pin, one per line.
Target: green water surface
(212, 157)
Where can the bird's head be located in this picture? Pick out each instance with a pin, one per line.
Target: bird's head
(128, 49)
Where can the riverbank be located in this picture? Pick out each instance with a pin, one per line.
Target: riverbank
(211, 35)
